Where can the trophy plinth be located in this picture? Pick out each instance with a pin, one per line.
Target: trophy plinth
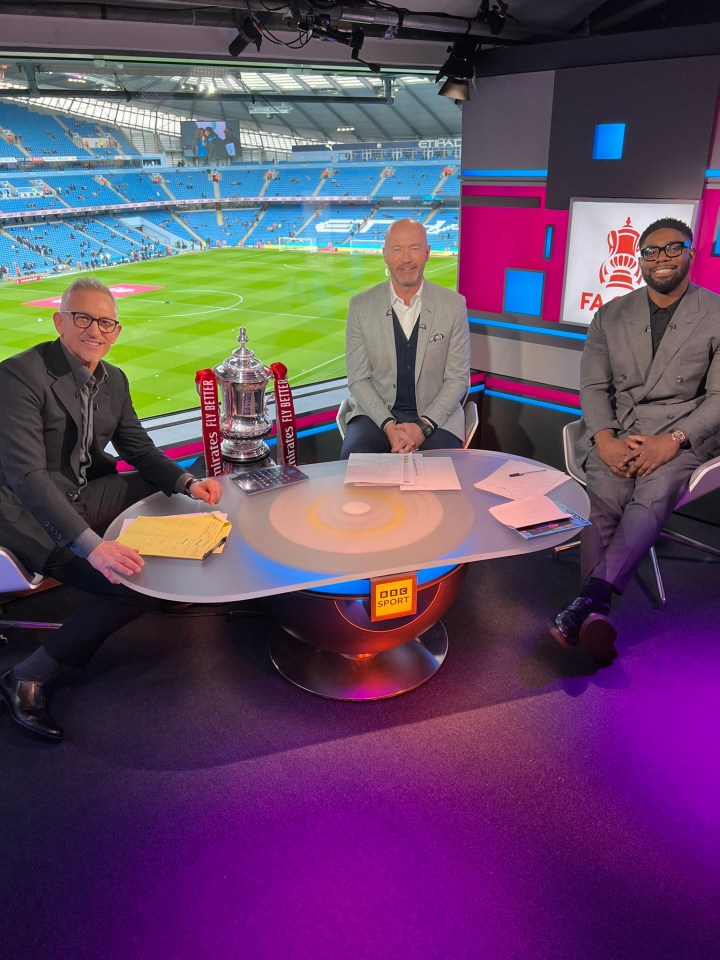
(244, 421)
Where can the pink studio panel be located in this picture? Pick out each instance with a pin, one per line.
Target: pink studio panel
(495, 238)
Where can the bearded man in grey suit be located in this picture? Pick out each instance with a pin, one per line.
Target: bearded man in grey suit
(650, 396)
(407, 356)
(59, 487)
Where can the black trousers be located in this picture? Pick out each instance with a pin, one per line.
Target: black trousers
(363, 435)
(112, 606)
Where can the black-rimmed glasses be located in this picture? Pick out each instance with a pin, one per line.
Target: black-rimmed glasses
(84, 320)
(673, 249)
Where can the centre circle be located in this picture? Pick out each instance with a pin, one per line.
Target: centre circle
(356, 507)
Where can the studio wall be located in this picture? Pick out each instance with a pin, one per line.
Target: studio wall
(533, 142)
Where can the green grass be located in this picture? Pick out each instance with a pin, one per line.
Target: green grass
(293, 304)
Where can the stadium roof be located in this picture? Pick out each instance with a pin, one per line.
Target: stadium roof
(352, 72)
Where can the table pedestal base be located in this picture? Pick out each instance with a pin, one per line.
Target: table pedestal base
(376, 676)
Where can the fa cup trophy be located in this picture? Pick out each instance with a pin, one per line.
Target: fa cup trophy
(244, 421)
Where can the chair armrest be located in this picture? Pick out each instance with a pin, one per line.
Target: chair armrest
(705, 479)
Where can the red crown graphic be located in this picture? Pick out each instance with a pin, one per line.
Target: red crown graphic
(621, 269)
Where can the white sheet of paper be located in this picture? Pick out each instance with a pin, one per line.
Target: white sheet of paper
(532, 480)
(433, 473)
(525, 513)
(377, 469)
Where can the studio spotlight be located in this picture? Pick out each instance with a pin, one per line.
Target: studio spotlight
(459, 68)
(455, 89)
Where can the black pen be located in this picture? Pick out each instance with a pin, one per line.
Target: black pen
(526, 472)
(213, 549)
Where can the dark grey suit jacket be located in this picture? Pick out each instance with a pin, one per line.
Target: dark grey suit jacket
(40, 421)
(624, 388)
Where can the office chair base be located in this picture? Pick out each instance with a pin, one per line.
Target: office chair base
(28, 625)
(689, 542)
(563, 547)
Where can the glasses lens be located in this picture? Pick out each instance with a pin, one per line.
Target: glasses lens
(83, 320)
(673, 249)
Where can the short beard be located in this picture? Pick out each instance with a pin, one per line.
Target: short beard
(669, 283)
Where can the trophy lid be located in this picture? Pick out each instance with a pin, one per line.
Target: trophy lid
(242, 366)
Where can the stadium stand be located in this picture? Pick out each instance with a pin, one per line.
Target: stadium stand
(38, 135)
(55, 220)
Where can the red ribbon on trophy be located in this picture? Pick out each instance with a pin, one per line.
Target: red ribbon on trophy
(285, 414)
(210, 412)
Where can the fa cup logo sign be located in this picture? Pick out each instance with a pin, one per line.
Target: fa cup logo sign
(621, 269)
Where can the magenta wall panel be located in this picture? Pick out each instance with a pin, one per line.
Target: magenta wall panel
(496, 237)
(706, 270)
(519, 389)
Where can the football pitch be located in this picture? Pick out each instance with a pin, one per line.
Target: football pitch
(187, 311)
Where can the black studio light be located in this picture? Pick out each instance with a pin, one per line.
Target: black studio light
(459, 68)
(249, 32)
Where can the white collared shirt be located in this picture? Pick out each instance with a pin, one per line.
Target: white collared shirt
(407, 314)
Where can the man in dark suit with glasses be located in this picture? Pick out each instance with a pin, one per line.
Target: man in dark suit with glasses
(59, 487)
(650, 396)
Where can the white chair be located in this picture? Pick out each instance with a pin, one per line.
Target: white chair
(472, 419)
(705, 479)
(15, 579)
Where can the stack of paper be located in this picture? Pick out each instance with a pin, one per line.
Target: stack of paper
(537, 516)
(190, 536)
(409, 471)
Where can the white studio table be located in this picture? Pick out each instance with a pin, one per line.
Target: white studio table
(303, 548)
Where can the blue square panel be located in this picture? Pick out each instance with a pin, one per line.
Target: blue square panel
(609, 140)
(523, 292)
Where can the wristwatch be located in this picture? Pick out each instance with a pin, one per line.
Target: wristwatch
(426, 427)
(680, 438)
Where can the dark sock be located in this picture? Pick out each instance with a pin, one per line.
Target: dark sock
(600, 592)
(39, 666)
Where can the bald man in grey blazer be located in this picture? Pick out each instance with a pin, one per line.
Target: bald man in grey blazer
(650, 396)
(407, 356)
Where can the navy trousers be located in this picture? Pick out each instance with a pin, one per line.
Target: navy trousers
(364, 436)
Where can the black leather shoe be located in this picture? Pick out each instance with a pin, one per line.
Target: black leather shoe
(597, 638)
(27, 703)
(566, 625)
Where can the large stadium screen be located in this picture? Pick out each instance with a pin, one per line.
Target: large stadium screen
(211, 140)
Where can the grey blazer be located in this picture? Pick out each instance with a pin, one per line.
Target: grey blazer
(40, 449)
(442, 365)
(624, 388)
